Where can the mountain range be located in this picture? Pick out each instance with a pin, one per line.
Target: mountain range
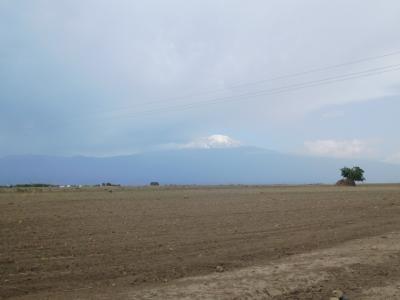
(240, 165)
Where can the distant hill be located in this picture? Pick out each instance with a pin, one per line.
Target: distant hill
(242, 165)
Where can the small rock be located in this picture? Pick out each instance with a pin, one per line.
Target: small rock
(337, 293)
(219, 269)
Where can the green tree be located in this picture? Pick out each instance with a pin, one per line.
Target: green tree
(353, 174)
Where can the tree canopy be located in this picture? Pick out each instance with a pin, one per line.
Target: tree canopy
(355, 173)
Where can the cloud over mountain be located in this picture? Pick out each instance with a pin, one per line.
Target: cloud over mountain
(339, 148)
(395, 158)
(214, 141)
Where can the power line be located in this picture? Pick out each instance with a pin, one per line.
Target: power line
(238, 85)
(274, 91)
(321, 69)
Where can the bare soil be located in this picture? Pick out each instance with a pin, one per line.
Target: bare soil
(155, 243)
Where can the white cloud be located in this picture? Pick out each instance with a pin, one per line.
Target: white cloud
(395, 158)
(210, 142)
(339, 148)
(334, 114)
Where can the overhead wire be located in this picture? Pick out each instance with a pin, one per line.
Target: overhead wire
(238, 85)
(267, 92)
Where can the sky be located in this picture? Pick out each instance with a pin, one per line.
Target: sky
(103, 78)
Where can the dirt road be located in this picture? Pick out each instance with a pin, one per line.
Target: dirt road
(125, 242)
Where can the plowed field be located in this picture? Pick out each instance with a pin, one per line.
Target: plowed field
(114, 243)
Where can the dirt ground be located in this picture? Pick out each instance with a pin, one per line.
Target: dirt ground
(298, 242)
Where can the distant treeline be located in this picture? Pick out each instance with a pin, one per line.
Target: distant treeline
(109, 184)
(32, 185)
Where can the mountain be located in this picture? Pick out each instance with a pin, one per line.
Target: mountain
(241, 165)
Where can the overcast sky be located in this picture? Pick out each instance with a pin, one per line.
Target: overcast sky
(102, 78)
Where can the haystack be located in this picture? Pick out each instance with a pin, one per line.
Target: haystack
(346, 182)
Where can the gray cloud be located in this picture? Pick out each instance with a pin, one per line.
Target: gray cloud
(77, 76)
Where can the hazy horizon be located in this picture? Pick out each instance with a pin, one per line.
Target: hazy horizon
(215, 166)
